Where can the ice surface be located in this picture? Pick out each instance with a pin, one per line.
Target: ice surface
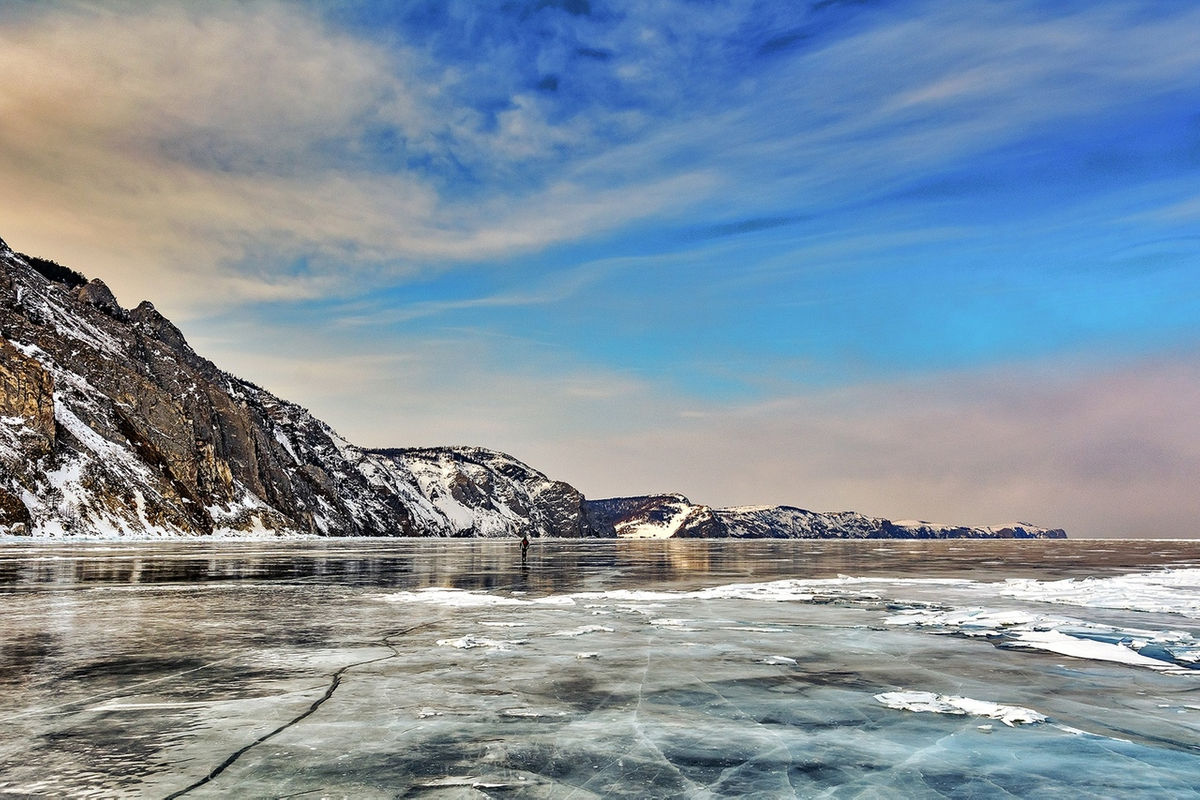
(632, 669)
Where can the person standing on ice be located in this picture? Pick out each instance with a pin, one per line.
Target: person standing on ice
(524, 545)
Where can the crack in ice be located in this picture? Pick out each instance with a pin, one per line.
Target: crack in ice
(335, 682)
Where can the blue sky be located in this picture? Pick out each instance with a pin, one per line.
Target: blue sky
(935, 259)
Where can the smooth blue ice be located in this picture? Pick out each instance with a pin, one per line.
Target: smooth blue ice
(434, 668)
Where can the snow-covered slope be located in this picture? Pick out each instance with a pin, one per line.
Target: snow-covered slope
(482, 492)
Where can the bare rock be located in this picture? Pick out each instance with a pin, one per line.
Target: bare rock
(13, 512)
(27, 392)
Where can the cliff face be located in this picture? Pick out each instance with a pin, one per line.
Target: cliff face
(111, 424)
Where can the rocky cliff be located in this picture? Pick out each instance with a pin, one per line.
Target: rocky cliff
(111, 425)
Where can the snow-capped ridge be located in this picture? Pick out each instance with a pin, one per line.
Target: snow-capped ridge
(674, 516)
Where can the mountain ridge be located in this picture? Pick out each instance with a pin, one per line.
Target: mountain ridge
(112, 425)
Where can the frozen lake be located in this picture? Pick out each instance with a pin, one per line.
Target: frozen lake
(450, 669)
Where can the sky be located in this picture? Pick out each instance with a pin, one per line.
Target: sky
(923, 260)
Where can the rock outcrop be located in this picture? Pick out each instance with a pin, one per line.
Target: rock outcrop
(27, 399)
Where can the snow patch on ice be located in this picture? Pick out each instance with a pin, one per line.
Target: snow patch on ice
(639, 600)
(751, 629)
(959, 706)
(1174, 591)
(529, 713)
(1164, 651)
(583, 629)
(1167, 651)
(471, 642)
(1123, 652)
(781, 591)
(779, 660)
(462, 598)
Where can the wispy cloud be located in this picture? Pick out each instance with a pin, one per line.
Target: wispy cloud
(163, 144)
(150, 141)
